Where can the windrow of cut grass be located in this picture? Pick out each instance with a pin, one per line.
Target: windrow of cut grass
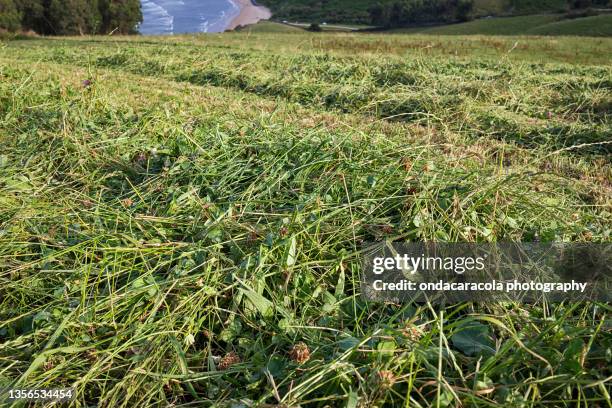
(169, 241)
(546, 105)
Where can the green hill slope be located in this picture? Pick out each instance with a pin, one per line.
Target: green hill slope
(356, 11)
(539, 24)
(270, 27)
(596, 26)
(494, 26)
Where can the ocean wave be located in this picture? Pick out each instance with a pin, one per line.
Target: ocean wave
(156, 19)
(235, 11)
(187, 16)
(204, 26)
(168, 4)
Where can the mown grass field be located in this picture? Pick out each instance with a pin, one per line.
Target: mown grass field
(181, 218)
(544, 24)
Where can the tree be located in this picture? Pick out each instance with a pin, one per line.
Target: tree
(33, 15)
(377, 15)
(10, 18)
(314, 27)
(120, 16)
(464, 10)
(401, 13)
(581, 3)
(397, 14)
(72, 17)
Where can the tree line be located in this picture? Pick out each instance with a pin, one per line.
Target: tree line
(402, 13)
(70, 17)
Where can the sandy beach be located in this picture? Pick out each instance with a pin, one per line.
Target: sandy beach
(249, 14)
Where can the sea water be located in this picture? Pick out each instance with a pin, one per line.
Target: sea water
(186, 16)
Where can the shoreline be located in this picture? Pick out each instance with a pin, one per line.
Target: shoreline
(249, 14)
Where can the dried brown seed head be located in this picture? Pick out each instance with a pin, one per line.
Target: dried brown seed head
(387, 229)
(300, 353)
(229, 360)
(386, 379)
(48, 365)
(87, 203)
(412, 332)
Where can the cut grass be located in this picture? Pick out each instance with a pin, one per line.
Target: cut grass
(170, 232)
(454, 94)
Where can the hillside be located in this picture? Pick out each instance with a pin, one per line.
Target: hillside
(520, 25)
(595, 26)
(547, 24)
(182, 218)
(265, 26)
(356, 11)
(537, 24)
(334, 11)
